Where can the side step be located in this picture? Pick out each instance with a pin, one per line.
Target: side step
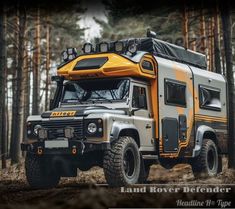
(150, 157)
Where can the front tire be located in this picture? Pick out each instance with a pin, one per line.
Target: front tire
(122, 162)
(40, 173)
(207, 163)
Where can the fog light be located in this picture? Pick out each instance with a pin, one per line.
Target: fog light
(42, 133)
(36, 129)
(69, 132)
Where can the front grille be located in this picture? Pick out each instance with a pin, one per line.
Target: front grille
(55, 128)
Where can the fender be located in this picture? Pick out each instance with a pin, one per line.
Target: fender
(199, 138)
(120, 126)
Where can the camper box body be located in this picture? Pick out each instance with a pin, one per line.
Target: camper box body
(186, 115)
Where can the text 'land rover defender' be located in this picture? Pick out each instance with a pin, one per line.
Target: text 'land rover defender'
(125, 105)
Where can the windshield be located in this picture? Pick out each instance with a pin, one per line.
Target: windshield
(108, 90)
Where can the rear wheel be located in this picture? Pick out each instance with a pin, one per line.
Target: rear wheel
(207, 163)
(122, 162)
(40, 173)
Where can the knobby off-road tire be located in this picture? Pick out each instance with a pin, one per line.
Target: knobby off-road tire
(207, 163)
(40, 173)
(122, 162)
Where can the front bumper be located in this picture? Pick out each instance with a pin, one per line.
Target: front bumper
(74, 147)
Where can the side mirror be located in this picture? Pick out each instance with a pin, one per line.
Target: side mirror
(142, 101)
(51, 104)
(57, 78)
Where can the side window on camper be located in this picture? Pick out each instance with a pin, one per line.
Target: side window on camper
(175, 93)
(209, 98)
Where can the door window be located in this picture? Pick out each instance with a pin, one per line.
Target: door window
(139, 92)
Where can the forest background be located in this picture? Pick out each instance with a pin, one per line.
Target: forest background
(32, 38)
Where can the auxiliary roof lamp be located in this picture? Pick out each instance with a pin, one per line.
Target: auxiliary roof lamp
(87, 48)
(119, 46)
(69, 54)
(103, 47)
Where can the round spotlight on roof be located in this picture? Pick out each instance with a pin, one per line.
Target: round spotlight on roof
(103, 47)
(69, 54)
(132, 48)
(65, 56)
(118, 46)
(72, 53)
(87, 48)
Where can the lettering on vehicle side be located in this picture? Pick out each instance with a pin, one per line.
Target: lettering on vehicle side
(63, 114)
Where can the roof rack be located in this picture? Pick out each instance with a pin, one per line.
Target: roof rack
(172, 52)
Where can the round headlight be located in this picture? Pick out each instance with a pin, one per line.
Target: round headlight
(103, 47)
(36, 128)
(118, 46)
(92, 128)
(87, 48)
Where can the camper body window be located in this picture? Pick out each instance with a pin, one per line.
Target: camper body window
(209, 98)
(175, 93)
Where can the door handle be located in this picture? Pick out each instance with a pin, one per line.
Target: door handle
(147, 126)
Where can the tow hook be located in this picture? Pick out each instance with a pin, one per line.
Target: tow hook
(39, 151)
(74, 150)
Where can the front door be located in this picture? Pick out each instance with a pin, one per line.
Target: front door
(141, 115)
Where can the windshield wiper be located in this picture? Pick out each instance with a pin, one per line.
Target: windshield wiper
(103, 98)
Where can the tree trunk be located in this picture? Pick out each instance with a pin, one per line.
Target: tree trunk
(185, 27)
(36, 67)
(47, 63)
(226, 24)
(212, 44)
(202, 32)
(3, 84)
(14, 75)
(217, 41)
(18, 118)
(26, 92)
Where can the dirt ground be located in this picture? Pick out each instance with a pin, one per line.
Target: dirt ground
(89, 190)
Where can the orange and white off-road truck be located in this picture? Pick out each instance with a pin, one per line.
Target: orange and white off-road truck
(124, 106)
